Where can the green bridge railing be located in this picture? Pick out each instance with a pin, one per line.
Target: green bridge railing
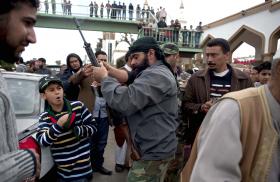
(183, 38)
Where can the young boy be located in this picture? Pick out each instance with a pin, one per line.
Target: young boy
(66, 127)
(264, 72)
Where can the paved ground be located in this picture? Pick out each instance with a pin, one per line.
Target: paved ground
(110, 163)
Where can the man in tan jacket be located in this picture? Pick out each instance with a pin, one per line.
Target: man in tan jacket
(239, 137)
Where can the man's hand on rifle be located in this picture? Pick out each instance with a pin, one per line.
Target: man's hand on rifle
(119, 74)
(108, 66)
(95, 84)
(87, 70)
(99, 73)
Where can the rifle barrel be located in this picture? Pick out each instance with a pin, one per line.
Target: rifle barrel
(79, 28)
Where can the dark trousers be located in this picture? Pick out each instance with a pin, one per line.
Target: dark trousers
(99, 142)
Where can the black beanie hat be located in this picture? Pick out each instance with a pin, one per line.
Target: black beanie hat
(144, 44)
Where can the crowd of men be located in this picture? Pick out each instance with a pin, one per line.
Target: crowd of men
(113, 10)
(231, 126)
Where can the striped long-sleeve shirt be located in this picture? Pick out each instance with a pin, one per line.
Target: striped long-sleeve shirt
(70, 147)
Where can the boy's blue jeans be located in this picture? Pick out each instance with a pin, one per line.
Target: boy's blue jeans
(99, 142)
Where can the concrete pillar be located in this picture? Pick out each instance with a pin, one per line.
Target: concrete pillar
(266, 57)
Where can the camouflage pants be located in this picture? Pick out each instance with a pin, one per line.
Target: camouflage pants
(148, 171)
(176, 165)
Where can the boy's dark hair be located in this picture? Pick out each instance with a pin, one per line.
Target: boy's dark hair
(8, 5)
(100, 52)
(255, 68)
(264, 66)
(223, 43)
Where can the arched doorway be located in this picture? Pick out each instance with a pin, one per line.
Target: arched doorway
(251, 37)
(274, 42)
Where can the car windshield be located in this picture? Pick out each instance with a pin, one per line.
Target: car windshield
(25, 96)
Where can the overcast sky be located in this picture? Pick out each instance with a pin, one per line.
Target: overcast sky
(54, 44)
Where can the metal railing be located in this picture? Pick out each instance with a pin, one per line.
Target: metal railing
(67, 9)
(183, 38)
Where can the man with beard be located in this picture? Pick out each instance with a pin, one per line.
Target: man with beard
(17, 19)
(148, 103)
(205, 87)
(73, 76)
(124, 76)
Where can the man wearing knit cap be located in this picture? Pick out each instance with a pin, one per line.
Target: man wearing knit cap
(171, 54)
(148, 103)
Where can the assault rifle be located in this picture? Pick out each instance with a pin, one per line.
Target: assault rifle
(87, 46)
(90, 54)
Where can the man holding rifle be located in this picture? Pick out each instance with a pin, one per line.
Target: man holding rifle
(148, 103)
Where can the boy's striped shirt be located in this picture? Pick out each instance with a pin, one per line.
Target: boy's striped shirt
(70, 148)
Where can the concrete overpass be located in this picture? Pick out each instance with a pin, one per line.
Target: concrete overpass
(87, 23)
(54, 15)
(60, 16)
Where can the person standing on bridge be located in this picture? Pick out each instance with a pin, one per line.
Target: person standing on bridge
(69, 8)
(119, 11)
(95, 9)
(123, 11)
(138, 11)
(108, 8)
(91, 9)
(46, 2)
(101, 10)
(53, 6)
(64, 8)
(130, 8)
(148, 103)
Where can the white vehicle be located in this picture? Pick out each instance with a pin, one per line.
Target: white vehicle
(24, 93)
